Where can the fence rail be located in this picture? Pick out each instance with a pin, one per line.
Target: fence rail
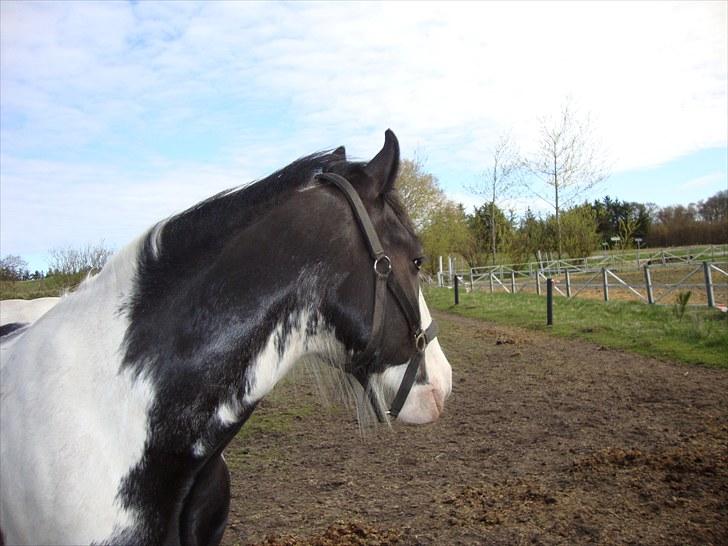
(651, 284)
(617, 262)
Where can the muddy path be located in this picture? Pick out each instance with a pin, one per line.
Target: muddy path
(544, 441)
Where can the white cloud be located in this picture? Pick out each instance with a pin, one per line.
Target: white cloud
(707, 181)
(279, 80)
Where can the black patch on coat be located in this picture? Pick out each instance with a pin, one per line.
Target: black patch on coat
(9, 328)
(226, 273)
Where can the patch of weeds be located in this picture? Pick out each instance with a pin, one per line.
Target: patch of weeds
(681, 303)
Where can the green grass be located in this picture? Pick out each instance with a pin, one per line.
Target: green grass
(55, 285)
(700, 337)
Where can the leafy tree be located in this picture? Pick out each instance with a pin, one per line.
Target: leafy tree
(446, 233)
(481, 225)
(623, 219)
(419, 191)
(531, 236)
(579, 231)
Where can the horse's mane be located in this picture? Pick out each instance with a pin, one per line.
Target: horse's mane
(290, 177)
(207, 224)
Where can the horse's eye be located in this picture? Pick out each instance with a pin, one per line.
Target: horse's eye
(418, 262)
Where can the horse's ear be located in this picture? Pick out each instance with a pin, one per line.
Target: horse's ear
(384, 166)
(340, 152)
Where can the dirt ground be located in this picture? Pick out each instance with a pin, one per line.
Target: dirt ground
(544, 441)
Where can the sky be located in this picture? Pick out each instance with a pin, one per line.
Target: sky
(114, 115)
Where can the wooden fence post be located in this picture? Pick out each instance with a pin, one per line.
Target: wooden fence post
(538, 283)
(709, 284)
(513, 282)
(490, 279)
(568, 284)
(471, 280)
(549, 302)
(648, 285)
(605, 284)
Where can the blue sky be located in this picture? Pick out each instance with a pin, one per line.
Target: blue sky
(114, 115)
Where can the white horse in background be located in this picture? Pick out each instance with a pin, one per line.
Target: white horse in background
(25, 311)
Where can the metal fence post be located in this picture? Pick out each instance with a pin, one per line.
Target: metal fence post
(549, 301)
(605, 284)
(709, 284)
(648, 285)
(455, 285)
(513, 282)
(568, 284)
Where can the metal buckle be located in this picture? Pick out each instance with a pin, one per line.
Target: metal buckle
(421, 341)
(385, 263)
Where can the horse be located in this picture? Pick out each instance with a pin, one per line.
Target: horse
(15, 314)
(118, 402)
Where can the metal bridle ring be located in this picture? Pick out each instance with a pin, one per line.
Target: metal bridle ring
(421, 341)
(386, 263)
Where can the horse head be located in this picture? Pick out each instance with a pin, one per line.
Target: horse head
(382, 316)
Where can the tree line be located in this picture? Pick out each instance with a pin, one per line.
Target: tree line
(63, 262)
(446, 228)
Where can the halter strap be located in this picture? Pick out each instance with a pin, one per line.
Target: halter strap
(383, 280)
(411, 372)
(382, 263)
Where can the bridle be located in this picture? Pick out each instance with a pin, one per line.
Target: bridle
(384, 280)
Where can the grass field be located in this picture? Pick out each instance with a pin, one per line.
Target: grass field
(700, 336)
(55, 285)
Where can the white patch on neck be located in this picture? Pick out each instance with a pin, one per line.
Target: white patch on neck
(269, 367)
(71, 425)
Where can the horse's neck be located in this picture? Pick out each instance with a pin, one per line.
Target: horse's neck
(91, 318)
(308, 336)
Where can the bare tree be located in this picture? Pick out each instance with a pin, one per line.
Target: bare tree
(69, 261)
(13, 268)
(568, 160)
(499, 181)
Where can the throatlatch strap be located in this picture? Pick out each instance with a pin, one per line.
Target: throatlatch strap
(375, 337)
